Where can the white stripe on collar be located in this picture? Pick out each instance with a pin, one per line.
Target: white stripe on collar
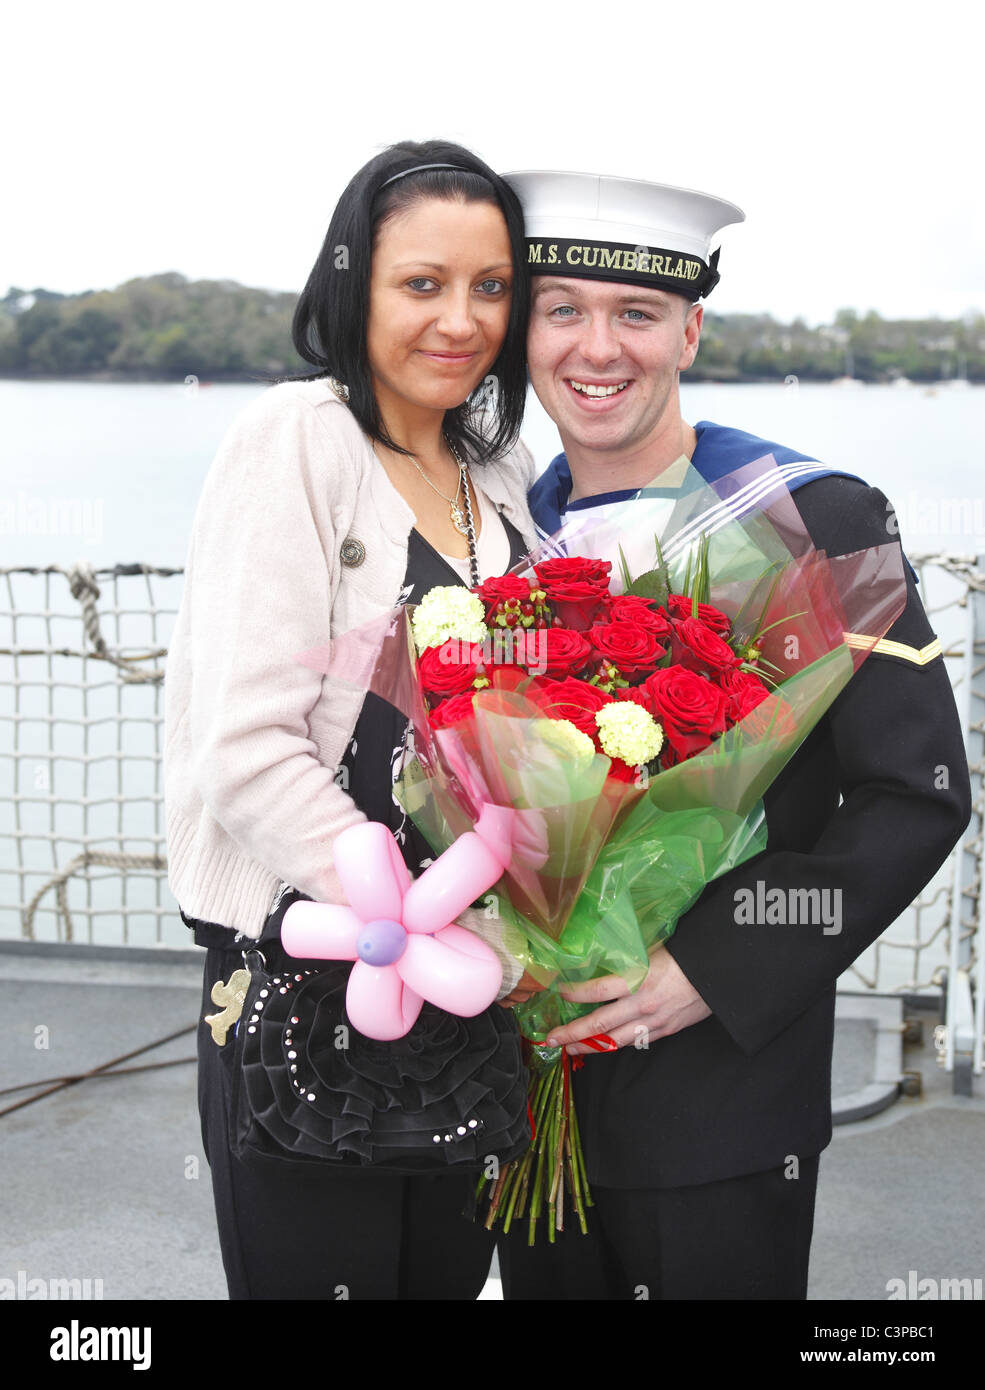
(724, 510)
(740, 503)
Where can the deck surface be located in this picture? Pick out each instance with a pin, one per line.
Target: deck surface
(107, 1179)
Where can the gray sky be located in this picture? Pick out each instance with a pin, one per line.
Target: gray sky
(214, 139)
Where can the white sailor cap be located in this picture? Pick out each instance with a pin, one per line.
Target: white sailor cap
(628, 230)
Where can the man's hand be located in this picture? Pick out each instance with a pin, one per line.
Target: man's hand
(521, 992)
(665, 1003)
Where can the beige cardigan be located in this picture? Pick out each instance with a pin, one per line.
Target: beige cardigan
(253, 738)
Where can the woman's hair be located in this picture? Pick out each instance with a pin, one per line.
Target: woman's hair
(331, 317)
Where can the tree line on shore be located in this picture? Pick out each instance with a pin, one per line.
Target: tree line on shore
(166, 327)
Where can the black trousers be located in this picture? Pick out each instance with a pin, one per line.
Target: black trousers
(742, 1238)
(302, 1231)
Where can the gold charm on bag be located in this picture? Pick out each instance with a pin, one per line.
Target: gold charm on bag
(232, 995)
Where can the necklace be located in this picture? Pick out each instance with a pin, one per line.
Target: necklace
(464, 524)
(470, 520)
(455, 511)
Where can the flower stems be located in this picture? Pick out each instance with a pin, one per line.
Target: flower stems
(554, 1163)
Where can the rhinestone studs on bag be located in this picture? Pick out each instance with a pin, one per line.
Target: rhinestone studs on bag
(285, 985)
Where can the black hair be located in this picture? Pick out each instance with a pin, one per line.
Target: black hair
(331, 316)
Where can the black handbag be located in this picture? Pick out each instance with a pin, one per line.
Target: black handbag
(308, 1087)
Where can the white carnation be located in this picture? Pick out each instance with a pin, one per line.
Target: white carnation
(628, 731)
(449, 612)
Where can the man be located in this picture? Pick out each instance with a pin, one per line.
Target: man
(702, 1146)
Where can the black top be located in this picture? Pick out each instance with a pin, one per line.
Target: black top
(374, 757)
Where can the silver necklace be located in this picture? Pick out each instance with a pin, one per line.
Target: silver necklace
(470, 520)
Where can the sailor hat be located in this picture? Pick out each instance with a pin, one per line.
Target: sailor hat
(637, 233)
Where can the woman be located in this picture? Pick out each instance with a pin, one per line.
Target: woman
(331, 498)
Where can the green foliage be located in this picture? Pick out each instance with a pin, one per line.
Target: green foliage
(697, 577)
(756, 347)
(160, 327)
(653, 584)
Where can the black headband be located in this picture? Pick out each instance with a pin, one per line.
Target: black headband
(419, 168)
(627, 265)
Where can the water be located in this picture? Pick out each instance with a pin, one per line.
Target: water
(104, 472)
(111, 473)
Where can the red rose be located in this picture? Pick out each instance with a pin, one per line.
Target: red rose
(578, 603)
(573, 700)
(452, 711)
(680, 606)
(500, 588)
(450, 668)
(555, 652)
(506, 677)
(572, 569)
(690, 708)
(697, 648)
(503, 586)
(631, 608)
(626, 645)
(743, 692)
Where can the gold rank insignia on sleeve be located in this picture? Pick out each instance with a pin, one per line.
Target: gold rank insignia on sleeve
(919, 656)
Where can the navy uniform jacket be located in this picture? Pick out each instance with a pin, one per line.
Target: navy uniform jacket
(745, 1088)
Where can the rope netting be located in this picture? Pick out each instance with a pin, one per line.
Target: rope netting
(82, 840)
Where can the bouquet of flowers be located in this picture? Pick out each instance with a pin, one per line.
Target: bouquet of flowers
(609, 716)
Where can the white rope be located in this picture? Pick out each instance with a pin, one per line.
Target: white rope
(103, 858)
(83, 587)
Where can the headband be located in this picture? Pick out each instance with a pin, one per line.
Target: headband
(419, 168)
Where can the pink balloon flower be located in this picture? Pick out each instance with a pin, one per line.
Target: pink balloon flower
(401, 932)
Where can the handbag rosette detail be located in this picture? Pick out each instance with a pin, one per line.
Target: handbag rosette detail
(397, 1060)
(450, 1094)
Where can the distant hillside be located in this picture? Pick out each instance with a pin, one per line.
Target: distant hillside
(157, 328)
(756, 347)
(165, 327)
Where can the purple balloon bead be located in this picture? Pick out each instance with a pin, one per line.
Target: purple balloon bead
(381, 942)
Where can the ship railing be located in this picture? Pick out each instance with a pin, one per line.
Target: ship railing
(83, 654)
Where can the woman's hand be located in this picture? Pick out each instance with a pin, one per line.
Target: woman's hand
(521, 992)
